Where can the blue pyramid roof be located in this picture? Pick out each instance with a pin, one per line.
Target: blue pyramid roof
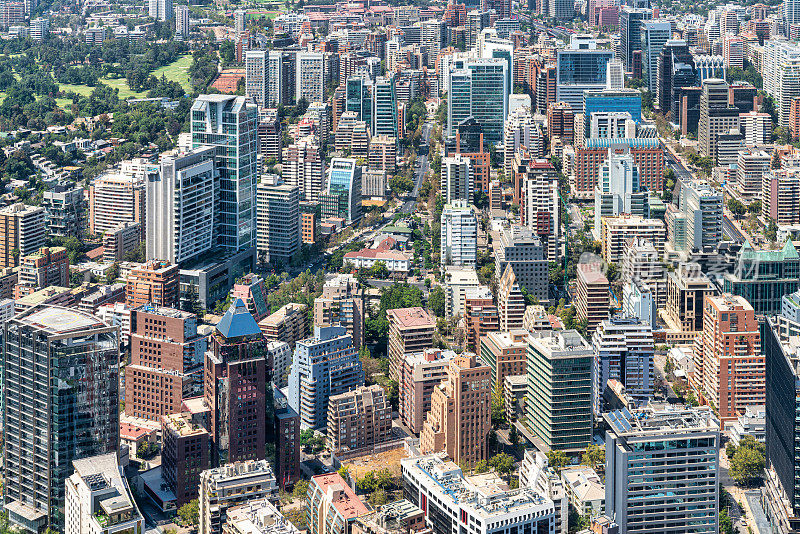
(238, 321)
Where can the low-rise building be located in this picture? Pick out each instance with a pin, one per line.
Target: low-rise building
(331, 505)
(585, 490)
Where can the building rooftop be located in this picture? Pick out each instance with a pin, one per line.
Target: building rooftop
(592, 273)
(239, 470)
(60, 320)
(661, 419)
(486, 495)
(344, 499)
(181, 424)
(584, 483)
(258, 517)
(238, 322)
(415, 317)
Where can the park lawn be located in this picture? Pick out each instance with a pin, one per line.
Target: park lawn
(125, 92)
(264, 13)
(177, 71)
(64, 103)
(83, 90)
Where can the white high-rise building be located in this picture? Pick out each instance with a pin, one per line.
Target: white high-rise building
(181, 208)
(459, 236)
(623, 351)
(520, 131)
(310, 76)
(256, 71)
(637, 445)
(618, 189)
(456, 180)
(239, 21)
(791, 13)
(615, 76)
(540, 194)
(278, 219)
(275, 80)
(98, 499)
(781, 72)
(756, 127)
(182, 28)
(161, 9)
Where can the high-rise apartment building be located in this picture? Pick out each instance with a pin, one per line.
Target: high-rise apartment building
(558, 406)
(592, 302)
(332, 506)
(359, 419)
(460, 416)
(751, 166)
(701, 204)
(618, 190)
(615, 233)
(236, 369)
(623, 351)
(640, 493)
(456, 179)
(580, 67)
(166, 362)
(505, 353)
(304, 167)
(115, 198)
(385, 106)
(185, 453)
(410, 331)
(270, 135)
(687, 288)
(324, 365)
(64, 210)
(98, 498)
(289, 324)
(510, 301)
(231, 485)
(161, 9)
(780, 195)
(781, 72)
(341, 304)
(642, 263)
(731, 377)
(418, 375)
(276, 63)
(459, 234)
(310, 77)
(47, 267)
(523, 250)
(78, 389)
(182, 207)
(382, 157)
(256, 76)
(229, 124)
(155, 282)
(182, 26)
(278, 217)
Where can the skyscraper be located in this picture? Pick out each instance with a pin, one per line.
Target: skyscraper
(675, 70)
(304, 167)
(580, 67)
(630, 21)
(385, 107)
(275, 79)
(717, 116)
(181, 207)
(236, 384)
(479, 87)
(256, 72)
(76, 414)
(561, 9)
(618, 190)
(229, 124)
(359, 99)
(342, 197)
(459, 234)
(653, 35)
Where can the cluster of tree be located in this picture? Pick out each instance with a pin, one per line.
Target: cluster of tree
(190, 513)
(749, 74)
(668, 185)
(747, 461)
(502, 463)
(376, 325)
(705, 163)
(377, 485)
(739, 209)
(311, 442)
(203, 69)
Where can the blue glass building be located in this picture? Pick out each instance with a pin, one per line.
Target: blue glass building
(606, 100)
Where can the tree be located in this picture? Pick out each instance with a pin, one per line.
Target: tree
(557, 459)
(725, 523)
(300, 489)
(436, 301)
(594, 457)
(736, 207)
(379, 270)
(401, 184)
(771, 232)
(502, 463)
(776, 160)
(498, 407)
(190, 512)
(748, 461)
(754, 207)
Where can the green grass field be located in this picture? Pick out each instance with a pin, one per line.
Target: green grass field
(83, 90)
(125, 92)
(268, 14)
(177, 71)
